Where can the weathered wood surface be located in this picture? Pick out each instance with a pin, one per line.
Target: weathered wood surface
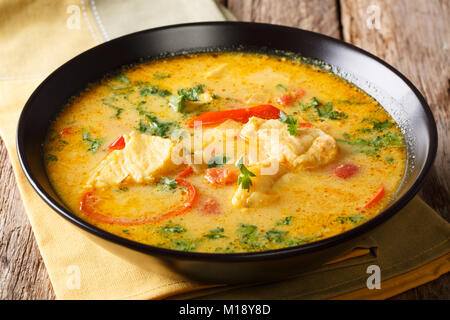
(412, 35)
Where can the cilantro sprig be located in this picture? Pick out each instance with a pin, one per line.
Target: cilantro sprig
(178, 102)
(292, 123)
(94, 143)
(244, 180)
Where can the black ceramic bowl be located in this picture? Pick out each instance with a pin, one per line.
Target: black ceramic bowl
(397, 95)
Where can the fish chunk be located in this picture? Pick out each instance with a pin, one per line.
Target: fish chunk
(310, 148)
(144, 159)
(261, 192)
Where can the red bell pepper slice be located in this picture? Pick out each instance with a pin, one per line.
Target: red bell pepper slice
(90, 199)
(117, 144)
(264, 111)
(375, 199)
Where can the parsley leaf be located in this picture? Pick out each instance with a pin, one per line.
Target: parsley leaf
(217, 161)
(291, 123)
(216, 233)
(184, 245)
(51, 157)
(152, 125)
(249, 235)
(121, 79)
(389, 159)
(160, 76)
(173, 228)
(286, 221)
(94, 144)
(178, 103)
(153, 90)
(297, 242)
(168, 184)
(326, 111)
(357, 218)
(191, 94)
(108, 103)
(244, 179)
(275, 235)
(374, 144)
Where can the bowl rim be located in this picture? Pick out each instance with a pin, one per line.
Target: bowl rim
(242, 256)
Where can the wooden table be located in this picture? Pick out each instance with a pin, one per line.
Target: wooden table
(412, 35)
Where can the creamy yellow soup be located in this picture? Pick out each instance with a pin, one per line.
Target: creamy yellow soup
(225, 152)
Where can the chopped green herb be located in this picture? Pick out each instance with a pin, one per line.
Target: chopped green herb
(51, 157)
(160, 76)
(217, 161)
(191, 94)
(357, 218)
(94, 143)
(286, 221)
(123, 78)
(281, 87)
(374, 144)
(126, 231)
(216, 233)
(389, 159)
(141, 110)
(326, 111)
(167, 183)
(122, 189)
(297, 242)
(291, 123)
(349, 101)
(275, 235)
(178, 103)
(152, 125)
(376, 125)
(215, 96)
(244, 180)
(184, 245)
(119, 87)
(153, 90)
(381, 125)
(111, 105)
(173, 228)
(249, 236)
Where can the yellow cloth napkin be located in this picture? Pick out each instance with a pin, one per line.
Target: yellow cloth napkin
(37, 37)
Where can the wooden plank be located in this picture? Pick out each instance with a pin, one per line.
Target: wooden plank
(413, 36)
(22, 271)
(315, 15)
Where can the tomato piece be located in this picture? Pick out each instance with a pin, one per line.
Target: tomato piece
(345, 171)
(186, 172)
(286, 99)
(90, 200)
(68, 130)
(117, 144)
(264, 111)
(220, 176)
(376, 198)
(305, 124)
(299, 93)
(209, 205)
